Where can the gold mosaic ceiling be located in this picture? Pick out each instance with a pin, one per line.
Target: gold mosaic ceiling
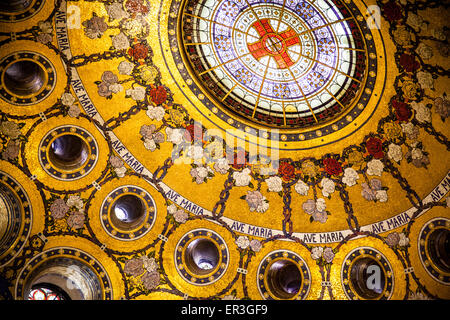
(225, 149)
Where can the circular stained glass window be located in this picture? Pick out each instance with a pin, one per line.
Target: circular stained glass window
(281, 63)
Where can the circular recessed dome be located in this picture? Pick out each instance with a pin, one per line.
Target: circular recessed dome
(202, 256)
(15, 5)
(65, 278)
(360, 276)
(284, 279)
(24, 78)
(290, 64)
(439, 249)
(68, 152)
(128, 212)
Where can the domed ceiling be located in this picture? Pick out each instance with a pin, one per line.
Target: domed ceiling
(228, 149)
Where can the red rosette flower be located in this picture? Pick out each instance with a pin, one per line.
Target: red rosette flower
(402, 111)
(158, 95)
(375, 147)
(409, 62)
(239, 160)
(286, 170)
(392, 11)
(136, 6)
(193, 132)
(138, 51)
(332, 166)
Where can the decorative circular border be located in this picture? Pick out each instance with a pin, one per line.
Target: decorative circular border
(217, 272)
(30, 11)
(243, 110)
(65, 252)
(24, 228)
(266, 262)
(361, 252)
(43, 93)
(312, 133)
(427, 262)
(61, 174)
(139, 231)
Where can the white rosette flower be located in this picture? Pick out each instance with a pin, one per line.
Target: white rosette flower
(425, 79)
(149, 264)
(115, 11)
(301, 188)
(116, 88)
(350, 177)
(150, 144)
(316, 253)
(67, 99)
(221, 165)
(404, 240)
(174, 135)
(411, 131)
(381, 195)
(375, 168)
(120, 41)
(416, 22)
(75, 201)
(242, 242)
(256, 201)
(328, 187)
(275, 184)
(425, 51)
(267, 171)
(137, 94)
(321, 205)
(172, 209)
(156, 113)
(120, 172)
(125, 68)
(395, 152)
(195, 152)
(243, 178)
(423, 114)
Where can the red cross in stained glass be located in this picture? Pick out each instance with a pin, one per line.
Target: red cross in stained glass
(273, 43)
